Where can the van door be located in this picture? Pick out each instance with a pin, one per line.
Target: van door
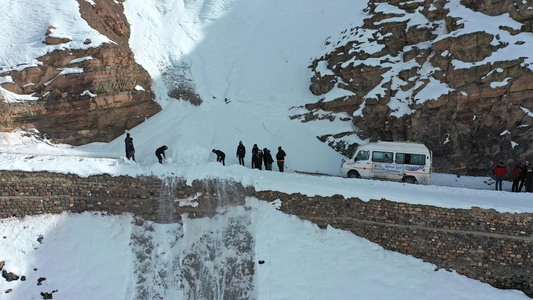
(383, 166)
(414, 165)
(363, 165)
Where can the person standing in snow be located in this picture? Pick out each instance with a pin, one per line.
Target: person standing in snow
(516, 178)
(221, 156)
(126, 140)
(130, 149)
(241, 153)
(267, 158)
(280, 157)
(499, 172)
(529, 178)
(523, 171)
(160, 153)
(254, 154)
(259, 159)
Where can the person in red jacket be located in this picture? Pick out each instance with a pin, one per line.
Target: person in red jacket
(499, 171)
(516, 178)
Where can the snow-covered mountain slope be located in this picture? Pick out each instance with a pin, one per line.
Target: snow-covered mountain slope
(254, 55)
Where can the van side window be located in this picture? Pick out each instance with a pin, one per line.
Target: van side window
(385, 157)
(410, 159)
(363, 155)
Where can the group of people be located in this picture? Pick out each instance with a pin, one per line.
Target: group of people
(130, 149)
(262, 156)
(259, 156)
(522, 175)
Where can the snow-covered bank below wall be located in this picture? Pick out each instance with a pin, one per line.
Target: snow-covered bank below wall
(92, 256)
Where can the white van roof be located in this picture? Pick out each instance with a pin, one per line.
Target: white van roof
(408, 147)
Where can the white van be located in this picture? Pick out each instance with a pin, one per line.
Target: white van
(405, 161)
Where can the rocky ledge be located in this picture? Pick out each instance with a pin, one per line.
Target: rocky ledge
(83, 96)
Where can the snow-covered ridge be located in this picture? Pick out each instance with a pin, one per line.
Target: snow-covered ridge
(370, 41)
(26, 23)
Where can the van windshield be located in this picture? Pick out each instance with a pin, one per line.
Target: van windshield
(362, 155)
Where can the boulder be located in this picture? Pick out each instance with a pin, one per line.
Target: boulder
(9, 276)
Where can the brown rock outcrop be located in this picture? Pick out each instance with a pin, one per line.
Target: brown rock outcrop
(481, 115)
(518, 10)
(84, 95)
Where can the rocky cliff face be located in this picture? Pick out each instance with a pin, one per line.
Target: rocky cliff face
(417, 71)
(83, 95)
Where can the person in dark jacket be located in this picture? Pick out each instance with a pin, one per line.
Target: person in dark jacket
(126, 140)
(499, 172)
(241, 153)
(258, 162)
(523, 171)
(160, 153)
(267, 158)
(529, 178)
(130, 149)
(516, 178)
(254, 154)
(280, 157)
(221, 156)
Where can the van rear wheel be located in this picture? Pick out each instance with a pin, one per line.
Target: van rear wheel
(409, 179)
(353, 174)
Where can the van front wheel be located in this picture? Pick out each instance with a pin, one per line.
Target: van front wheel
(409, 179)
(353, 174)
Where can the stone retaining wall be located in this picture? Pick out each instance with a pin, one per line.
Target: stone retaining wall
(482, 244)
(151, 198)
